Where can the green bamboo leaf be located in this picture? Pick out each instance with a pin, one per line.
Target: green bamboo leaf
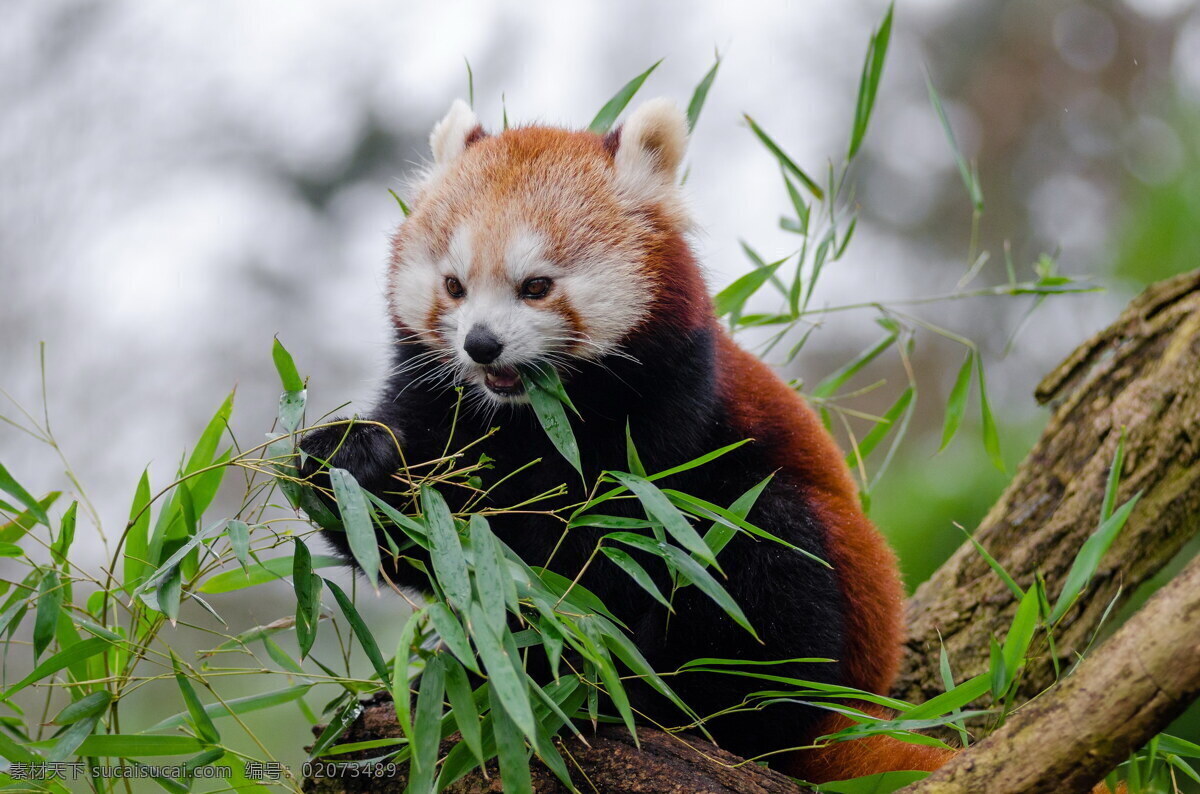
(172, 563)
(136, 536)
(505, 675)
(462, 706)
(637, 573)
(409, 526)
(835, 380)
(449, 563)
(956, 405)
(991, 436)
(336, 727)
(691, 570)
(659, 507)
(451, 632)
(608, 114)
(720, 533)
(969, 177)
(239, 541)
(49, 606)
(490, 577)
(10, 485)
(261, 573)
(868, 84)
(945, 703)
(1002, 677)
(242, 705)
(994, 564)
(553, 418)
(1114, 479)
(513, 757)
(14, 530)
(611, 522)
(66, 535)
(70, 739)
(757, 261)
(167, 597)
(707, 457)
(289, 376)
(365, 638)
(403, 207)
(633, 461)
(731, 299)
(58, 661)
(137, 745)
(1020, 633)
(783, 159)
(199, 717)
(1088, 559)
(307, 586)
(87, 706)
(427, 723)
(881, 429)
(356, 518)
(701, 94)
(281, 657)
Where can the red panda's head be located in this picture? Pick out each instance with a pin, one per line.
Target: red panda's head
(538, 245)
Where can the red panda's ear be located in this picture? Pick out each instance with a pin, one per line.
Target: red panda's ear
(652, 142)
(452, 135)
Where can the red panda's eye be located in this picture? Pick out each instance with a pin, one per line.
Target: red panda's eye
(535, 288)
(454, 287)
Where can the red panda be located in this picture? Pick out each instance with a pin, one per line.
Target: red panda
(544, 246)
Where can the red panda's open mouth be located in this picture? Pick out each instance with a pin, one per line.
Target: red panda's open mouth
(505, 381)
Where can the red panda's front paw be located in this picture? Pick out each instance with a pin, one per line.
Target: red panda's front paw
(367, 450)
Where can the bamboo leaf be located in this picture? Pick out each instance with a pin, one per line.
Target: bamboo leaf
(199, 717)
(868, 85)
(956, 405)
(636, 572)
(835, 380)
(356, 518)
(10, 485)
(427, 726)
(659, 507)
(365, 638)
(261, 573)
(307, 586)
(701, 94)
(49, 605)
(552, 416)
(731, 299)
(991, 436)
(449, 563)
(783, 159)
(462, 706)
(87, 706)
(60, 660)
(608, 114)
(1088, 559)
(289, 376)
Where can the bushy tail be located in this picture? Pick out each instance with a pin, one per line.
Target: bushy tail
(870, 755)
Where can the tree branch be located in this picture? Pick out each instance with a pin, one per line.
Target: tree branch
(1121, 695)
(1141, 374)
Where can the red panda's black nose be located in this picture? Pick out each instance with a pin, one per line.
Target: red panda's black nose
(482, 345)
